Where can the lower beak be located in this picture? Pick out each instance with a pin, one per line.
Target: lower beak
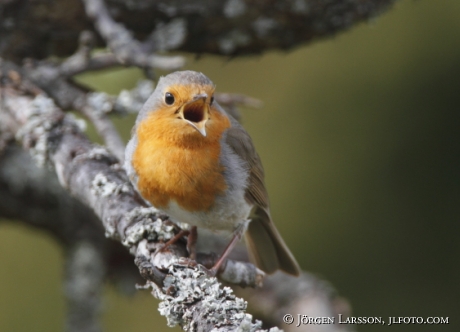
(196, 114)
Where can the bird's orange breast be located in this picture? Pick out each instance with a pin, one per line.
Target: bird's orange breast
(174, 166)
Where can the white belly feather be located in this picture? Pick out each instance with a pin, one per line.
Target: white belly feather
(229, 209)
(225, 214)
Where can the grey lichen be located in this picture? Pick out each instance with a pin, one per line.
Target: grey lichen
(41, 117)
(101, 186)
(96, 153)
(144, 227)
(192, 298)
(34, 132)
(242, 273)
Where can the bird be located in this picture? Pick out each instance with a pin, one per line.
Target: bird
(192, 160)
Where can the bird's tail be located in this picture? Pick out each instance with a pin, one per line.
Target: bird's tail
(266, 247)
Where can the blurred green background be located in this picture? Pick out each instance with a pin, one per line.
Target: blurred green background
(359, 135)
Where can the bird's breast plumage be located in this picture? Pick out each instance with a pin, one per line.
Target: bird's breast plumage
(171, 167)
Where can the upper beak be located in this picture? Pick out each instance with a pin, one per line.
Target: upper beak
(196, 113)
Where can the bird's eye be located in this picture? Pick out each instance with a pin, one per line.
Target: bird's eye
(212, 99)
(169, 98)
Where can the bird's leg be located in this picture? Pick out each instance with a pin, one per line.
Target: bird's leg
(174, 239)
(191, 242)
(192, 236)
(236, 238)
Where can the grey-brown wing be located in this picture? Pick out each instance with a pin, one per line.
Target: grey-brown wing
(240, 142)
(265, 245)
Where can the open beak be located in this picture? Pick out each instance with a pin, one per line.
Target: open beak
(196, 113)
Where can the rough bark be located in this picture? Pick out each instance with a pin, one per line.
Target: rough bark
(38, 29)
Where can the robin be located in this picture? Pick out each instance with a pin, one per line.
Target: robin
(192, 160)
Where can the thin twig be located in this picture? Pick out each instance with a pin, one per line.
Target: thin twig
(94, 106)
(121, 42)
(227, 99)
(104, 126)
(231, 102)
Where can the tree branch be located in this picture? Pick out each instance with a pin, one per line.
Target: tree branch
(94, 177)
(229, 28)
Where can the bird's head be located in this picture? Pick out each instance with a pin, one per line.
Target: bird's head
(182, 107)
(188, 106)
